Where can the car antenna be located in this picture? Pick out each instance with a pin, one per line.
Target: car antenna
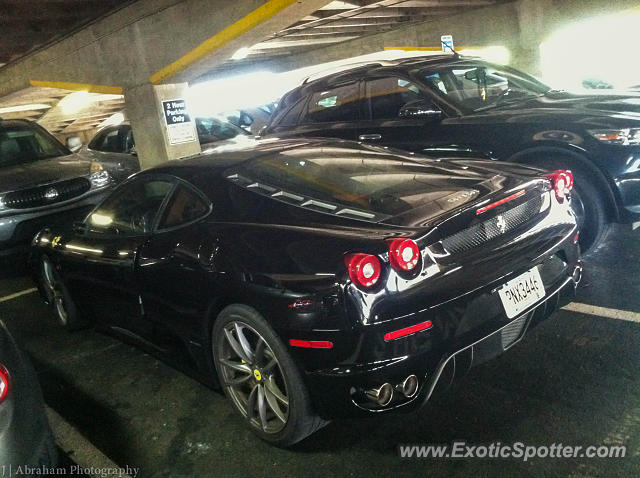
(450, 47)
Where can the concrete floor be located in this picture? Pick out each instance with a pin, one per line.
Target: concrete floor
(573, 380)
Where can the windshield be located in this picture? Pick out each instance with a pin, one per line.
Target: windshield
(370, 181)
(24, 143)
(474, 87)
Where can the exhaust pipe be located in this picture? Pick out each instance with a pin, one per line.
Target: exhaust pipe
(380, 396)
(408, 387)
(577, 274)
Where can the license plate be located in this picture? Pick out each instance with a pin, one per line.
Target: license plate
(520, 293)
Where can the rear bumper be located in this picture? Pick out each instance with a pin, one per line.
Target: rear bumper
(466, 331)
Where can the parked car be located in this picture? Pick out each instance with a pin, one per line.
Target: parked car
(316, 279)
(114, 146)
(252, 120)
(41, 183)
(438, 104)
(25, 437)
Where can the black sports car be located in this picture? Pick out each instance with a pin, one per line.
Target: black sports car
(444, 104)
(26, 442)
(316, 279)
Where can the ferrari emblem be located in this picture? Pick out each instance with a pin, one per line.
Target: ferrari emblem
(501, 224)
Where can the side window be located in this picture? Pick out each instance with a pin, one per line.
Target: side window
(109, 141)
(338, 104)
(185, 206)
(131, 209)
(129, 143)
(290, 118)
(385, 96)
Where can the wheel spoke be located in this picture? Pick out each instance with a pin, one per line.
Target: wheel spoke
(251, 402)
(273, 404)
(238, 367)
(262, 407)
(259, 353)
(275, 390)
(272, 361)
(237, 348)
(246, 347)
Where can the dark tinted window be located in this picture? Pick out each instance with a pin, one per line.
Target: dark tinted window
(474, 87)
(290, 118)
(337, 104)
(131, 209)
(385, 96)
(185, 206)
(109, 141)
(213, 129)
(25, 143)
(367, 180)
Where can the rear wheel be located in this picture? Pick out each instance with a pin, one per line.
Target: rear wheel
(260, 378)
(57, 295)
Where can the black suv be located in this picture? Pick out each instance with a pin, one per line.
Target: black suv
(447, 105)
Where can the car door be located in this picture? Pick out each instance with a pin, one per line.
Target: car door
(333, 112)
(100, 256)
(174, 270)
(399, 113)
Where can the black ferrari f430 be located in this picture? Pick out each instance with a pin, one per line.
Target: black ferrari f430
(315, 279)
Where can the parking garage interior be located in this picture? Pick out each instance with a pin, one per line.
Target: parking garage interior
(77, 68)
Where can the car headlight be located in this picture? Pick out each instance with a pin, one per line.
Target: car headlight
(99, 177)
(622, 137)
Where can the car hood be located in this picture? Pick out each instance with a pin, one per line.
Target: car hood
(615, 110)
(45, 171)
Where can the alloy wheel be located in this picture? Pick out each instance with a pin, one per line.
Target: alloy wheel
(52, 289)
(253, 377)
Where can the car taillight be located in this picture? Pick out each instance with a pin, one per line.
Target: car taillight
(364, 269)
(4, 383)
(562, 182)
(403, 254)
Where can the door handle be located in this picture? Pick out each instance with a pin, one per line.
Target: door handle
(369, 137)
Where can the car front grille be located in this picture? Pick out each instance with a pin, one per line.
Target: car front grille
(492, 228)
(47, 195)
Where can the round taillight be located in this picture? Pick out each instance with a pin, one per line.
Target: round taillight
(364, 269)
(4, 383)
(562, 182)
(404, 254)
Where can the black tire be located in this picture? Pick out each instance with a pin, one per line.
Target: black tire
(301, 421)
(587, 204)
(62, 305)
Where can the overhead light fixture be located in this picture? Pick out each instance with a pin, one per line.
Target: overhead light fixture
(17, 109)
(76, 101)
(241, 54)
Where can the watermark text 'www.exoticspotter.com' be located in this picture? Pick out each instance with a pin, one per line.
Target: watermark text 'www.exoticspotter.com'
(517, 450)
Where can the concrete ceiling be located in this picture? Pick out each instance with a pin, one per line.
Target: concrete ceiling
(340, 21)
(26, 25)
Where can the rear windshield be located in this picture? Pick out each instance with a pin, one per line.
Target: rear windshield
(365, 181)
(23, 144)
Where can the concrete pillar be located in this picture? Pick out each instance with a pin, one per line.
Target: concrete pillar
(156, 140)
(535, 20)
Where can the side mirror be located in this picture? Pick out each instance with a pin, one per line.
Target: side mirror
(133, 151)
(420, 109)
(74, 143)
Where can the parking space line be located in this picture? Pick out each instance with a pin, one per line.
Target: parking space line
(18, 294)
(91, 460)
(603, 312)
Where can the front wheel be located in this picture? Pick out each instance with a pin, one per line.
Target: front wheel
(57, 295)
(260, 378)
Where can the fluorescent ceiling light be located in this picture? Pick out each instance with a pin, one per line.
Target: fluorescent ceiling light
(16, 109)
(241, 54)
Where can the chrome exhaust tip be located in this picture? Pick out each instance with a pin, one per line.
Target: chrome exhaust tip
(408, 387)
(380, 396)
